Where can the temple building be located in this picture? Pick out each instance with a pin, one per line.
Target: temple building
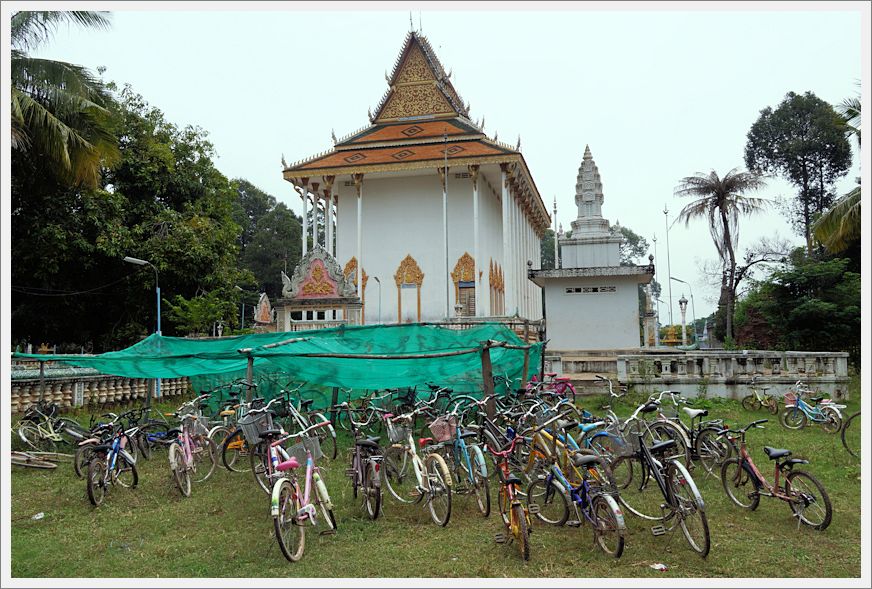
(591, 300)
(428, 216)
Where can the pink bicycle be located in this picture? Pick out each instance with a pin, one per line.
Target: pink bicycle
(192, 454)
(560, 386)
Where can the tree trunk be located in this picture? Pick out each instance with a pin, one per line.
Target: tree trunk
(731, 275)
(806, 212)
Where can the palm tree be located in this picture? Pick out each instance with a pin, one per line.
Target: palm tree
(838, 228)
(721, 201)
(59, 110)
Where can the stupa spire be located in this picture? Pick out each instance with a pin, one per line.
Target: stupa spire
(589, 199)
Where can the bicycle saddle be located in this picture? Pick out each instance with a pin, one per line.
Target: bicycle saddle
(305, 404)
(775, 453)
(513, 480)
(581, 460)
(816, 399)
(649, 408)
(289, 464)
(551, 374)
(566, 424)
(661, 446)
(368, 442)
(695, 412)
(270, 433)
(468, 434)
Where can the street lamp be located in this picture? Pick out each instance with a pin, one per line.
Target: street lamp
(379, 296)
(682, 304)
(692, 306)
(668, 265)
(139, 262)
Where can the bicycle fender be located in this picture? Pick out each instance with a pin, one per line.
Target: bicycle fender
(127, 456)
(479, 458)
(616, 509)
(274, 500)
(680, 467)
(321, 488)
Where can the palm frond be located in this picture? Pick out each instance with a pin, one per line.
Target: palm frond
(839, 227)
(30, 29)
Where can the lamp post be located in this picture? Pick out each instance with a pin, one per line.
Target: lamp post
(692, 306)
(242, 314)
(668, 265)
(379, 297)
(139, 262)
(682, 304)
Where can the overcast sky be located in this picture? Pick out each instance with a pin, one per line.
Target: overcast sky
(657, 95)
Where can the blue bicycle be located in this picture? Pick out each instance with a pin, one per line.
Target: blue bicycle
(466, 459)
(797, 413)
(111, 464)
(582, 478)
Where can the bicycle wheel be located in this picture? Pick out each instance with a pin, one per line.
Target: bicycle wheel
(480, 485)
(738, 485)
(771, 404)
(832, 422)
(205, 455)
(81, 459)
(141, 441)
(290, 532)
(793, 418)
(398, 475)
(808, 499)
(371, 490)
(29, 434)
(623, 469)
(96, 480)
(608, 528)
(687, 502)
(711, 450)
(438, 483)
(750, 403)
(125, 473)
(851, 435)
(551, 499)
(181, 476)
(259, 464)
(234, 450)
(643, 497)
(327, 437)
(521, 531)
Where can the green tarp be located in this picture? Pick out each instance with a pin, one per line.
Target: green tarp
(302, 356)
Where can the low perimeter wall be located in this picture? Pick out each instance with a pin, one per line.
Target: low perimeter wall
(74, 387)
(719, 373)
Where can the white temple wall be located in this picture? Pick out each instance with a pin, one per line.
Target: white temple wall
(601, 320)
(404, 216)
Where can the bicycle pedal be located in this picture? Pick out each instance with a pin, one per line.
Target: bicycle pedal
(534, 508)
(350, 472)
(500, 538)
(658, 530)
(573, 524)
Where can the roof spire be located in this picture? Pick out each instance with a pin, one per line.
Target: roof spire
(411, 24)
(587, 154)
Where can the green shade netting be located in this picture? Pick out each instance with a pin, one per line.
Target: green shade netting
(213, 361)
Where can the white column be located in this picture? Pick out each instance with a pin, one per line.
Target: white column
(476, 245)
(315, 218)
(335, 248)
(304, 192)
(358, 183)
(444, 178)
(504, 195)
(328, 221)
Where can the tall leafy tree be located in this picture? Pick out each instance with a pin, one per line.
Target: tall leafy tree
(276, 246)
(721, 201)
(804, 141)
(253, 203)
(60, 111)
(547, 250)
(633, 247)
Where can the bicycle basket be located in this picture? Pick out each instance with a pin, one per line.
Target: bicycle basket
(253, 424)
(620, 444)
(790, 399)
(311, 443)
(196, 424)
(443, 429)
(397, 434)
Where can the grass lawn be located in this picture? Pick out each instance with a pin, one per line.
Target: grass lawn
(224, 529)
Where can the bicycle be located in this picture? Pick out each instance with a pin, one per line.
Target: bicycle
(291, 510)
(431, 479)
(744, 484)
(467, 461)
(110, 464)
(366, 460)
(678, 502)
(851, 436)
(303, 417)
(515, 515)
(192, 454)
(582, 478)
(797, 413)
(702, 438)
(757, 400)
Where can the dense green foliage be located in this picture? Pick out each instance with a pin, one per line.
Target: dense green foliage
(163, 201)
(809, 304)
(804, 141)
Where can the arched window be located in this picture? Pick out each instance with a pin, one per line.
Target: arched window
(408, 276)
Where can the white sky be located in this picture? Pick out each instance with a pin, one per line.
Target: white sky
(658, 95)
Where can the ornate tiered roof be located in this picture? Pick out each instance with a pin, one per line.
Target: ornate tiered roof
(419, 123)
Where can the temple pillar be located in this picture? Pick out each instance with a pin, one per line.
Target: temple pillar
(315, 200)
(504, 185)
(443, 178)
(476, 276)
(358, 186)
(328, 213)
(304, 189)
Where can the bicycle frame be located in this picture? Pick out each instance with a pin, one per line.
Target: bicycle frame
(757, 478)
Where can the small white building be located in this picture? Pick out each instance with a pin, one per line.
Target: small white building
(422, 242)
(591, 301)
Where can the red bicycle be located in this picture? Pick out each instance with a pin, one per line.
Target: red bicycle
(559, 386)
(744, 484)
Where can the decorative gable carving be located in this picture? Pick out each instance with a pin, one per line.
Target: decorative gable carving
(318, 275)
